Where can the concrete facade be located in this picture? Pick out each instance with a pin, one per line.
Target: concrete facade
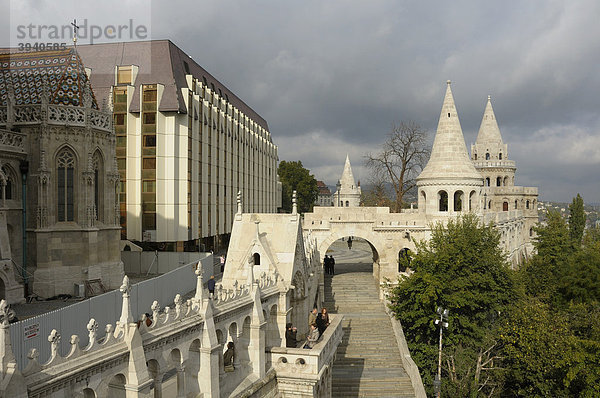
(186, 145)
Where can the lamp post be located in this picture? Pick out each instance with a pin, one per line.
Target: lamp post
(442, 322)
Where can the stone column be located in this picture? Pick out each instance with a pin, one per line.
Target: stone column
(181, 381)
(256, 348)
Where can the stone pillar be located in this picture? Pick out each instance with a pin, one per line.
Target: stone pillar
(282, 311)
(181, 381)
(256, 348)
(210, 353)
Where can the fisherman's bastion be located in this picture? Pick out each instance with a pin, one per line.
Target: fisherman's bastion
(174, 346)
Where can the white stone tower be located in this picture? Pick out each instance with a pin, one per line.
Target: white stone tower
(348, 193)
(449, 183)
(490, 154)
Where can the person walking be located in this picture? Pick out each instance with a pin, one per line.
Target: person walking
(211, 286)
(290, 336)
(313, 336)
(322, 321)
(228, 357)
(222, 260)
(331, 265)
(349, 243)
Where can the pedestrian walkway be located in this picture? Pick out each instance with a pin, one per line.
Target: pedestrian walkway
(368, 362)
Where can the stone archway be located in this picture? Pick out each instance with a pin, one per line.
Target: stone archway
(337, 235)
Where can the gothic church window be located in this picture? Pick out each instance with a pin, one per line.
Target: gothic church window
(487, 182)
(487, 156)
(498, 181)
(504, 206)
(98, 185)
(65, 178)
(256, 258)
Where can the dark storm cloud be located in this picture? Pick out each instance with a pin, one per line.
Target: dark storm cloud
(332, 76)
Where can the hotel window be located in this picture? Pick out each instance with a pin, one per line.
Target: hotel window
(149, 157)
(124, 75)
(120, 118)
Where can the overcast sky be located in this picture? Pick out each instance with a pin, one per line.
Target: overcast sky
(330, 77)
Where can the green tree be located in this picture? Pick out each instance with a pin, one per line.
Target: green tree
(294, 177)
(576, 220)
(463, 269)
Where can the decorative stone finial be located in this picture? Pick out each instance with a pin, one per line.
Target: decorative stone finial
(489, 97)
(239, 202)
(294, 203)
(448, 82)
(126, 316)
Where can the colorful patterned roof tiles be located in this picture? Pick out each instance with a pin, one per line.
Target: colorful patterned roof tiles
(62, 72)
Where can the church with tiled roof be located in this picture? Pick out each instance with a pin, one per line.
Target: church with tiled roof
(58, 178)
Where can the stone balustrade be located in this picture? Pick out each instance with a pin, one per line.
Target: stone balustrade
(56, 115)
(304, 372)
(11, 141)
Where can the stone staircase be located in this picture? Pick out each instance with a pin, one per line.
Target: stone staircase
(368, 362)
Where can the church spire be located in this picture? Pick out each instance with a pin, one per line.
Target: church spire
(449, 158)
(489, 132)
(347, 179)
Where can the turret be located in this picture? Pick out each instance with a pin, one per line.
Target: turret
(449, 182)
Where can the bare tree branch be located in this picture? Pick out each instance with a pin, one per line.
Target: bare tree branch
(402, 157)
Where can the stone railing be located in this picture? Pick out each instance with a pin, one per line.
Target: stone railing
(12, 141)
(410, 367)
(56, 114)
(495, 163)
(299, 364)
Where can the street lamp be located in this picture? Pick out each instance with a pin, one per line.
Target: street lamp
(442, 322)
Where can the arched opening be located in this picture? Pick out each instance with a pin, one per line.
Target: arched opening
(192, 368)
(531, 231)
(500, 156)
(241, 351)
(516, 204)
(232, 335)
(221, 341)
(273, 338)
(423, 201)
(487, 181)
(89, 393)
(490, 204)
(487, 156)
(499, 181)
(442, 201)
(2, 289)
(471, 199)
(506, 181)
(458, 200)
(475, 157)
(347, 204)
(504, 206)
(154, 371)
(527, 204)
(256, 258)
(116, 386)
(177, 363)
(404, 258)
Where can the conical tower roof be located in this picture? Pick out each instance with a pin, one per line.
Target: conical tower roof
(347, 180)
(449, 158)
(489, 132)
